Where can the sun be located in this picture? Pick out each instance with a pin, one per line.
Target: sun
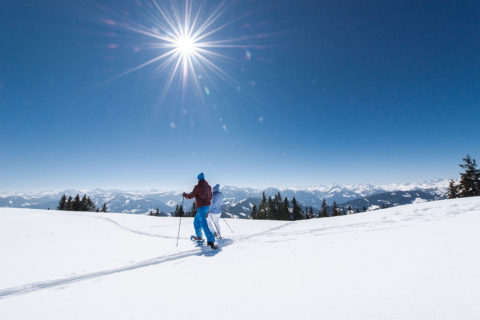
(187, 42)
(186, 46)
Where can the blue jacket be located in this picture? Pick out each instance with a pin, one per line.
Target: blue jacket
(217, 202)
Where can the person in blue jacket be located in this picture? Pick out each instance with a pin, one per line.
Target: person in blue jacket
(215, 212)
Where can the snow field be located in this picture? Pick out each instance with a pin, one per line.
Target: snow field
(417, 261)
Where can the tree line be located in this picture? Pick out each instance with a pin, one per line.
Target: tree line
(179, 212)
(277, 208)
(469, 182)
(77, 204)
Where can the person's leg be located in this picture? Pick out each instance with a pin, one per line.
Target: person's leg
(216, 221)
(202, 213)
(210, 223)
(197, 224)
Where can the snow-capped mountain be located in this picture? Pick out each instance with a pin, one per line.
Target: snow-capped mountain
(237, 201)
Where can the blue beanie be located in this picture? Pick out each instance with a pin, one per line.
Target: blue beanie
(201, 176)
(216, 188)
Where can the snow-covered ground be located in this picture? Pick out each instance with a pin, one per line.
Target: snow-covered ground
(419, 261)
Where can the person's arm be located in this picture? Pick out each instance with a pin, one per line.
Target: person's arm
(192, 194)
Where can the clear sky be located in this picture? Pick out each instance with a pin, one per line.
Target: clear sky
(302, 93)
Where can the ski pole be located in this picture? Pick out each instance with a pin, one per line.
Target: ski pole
(228, 225)
(180, 222)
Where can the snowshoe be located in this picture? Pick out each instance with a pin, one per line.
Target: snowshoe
(212, 245)
(197, 239)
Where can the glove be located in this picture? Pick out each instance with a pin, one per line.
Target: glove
(184, 194)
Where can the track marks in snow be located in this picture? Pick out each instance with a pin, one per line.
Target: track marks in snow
(35, 286)
(148, 234)
(40, 285)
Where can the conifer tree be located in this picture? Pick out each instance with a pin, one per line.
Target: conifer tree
(349, 210)
(278, 210)
(104, 207)
(364, 209)
(357, 210)
(469, 179)
(452, 192)
(90, 205)
(262, 209)
(77, 203)
(297, 210)
(176, 213)
(62, 204)
(324, 210)
(193, 210)
(253, 215)
(181, 212)
(286, 210)
(270, 209)
(335, 211)
(84, 203)
(69, 205)
(310, 213)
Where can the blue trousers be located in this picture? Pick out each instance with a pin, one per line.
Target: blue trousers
(200, 222)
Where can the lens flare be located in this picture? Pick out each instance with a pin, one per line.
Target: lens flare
(187, 41)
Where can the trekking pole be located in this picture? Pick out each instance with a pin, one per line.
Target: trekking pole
(228, 225)
(180, 222)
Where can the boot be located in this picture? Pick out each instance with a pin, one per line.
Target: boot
(212, 245)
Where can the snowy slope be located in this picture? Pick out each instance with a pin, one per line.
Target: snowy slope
(416, 261)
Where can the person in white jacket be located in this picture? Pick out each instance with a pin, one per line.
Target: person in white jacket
(215, 212)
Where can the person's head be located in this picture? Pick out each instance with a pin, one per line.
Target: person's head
(216, 188)
(201, 176)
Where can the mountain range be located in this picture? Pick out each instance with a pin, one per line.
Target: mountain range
(238, 201)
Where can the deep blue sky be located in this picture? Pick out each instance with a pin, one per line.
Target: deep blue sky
(349, 91)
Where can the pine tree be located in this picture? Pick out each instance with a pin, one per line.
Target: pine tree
(262, 209)
(335, 211)
(286, 210)
(357, 210)
(452, 192)
(104, 207)
(193, 210)
(90, 205)
(306, 213)
(157, 212)
(324, 211)
(176, 213)
(297, 210)
(181, 212)
(469, 184)
(270, 209)
(310, 213)
(253, 215)
(77, 203)
(69, 205)
(84, 203)
(349, 210)
(62, 204)
(364, 209)
(277, 210)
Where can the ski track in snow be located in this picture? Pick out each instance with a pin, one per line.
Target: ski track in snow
(35, 286)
